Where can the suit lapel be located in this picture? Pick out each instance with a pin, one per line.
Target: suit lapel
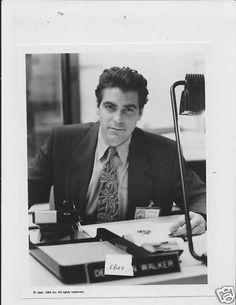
(139, 180)
(79, 168)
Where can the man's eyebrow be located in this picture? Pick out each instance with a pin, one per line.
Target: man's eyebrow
(115, 105)
(131, 105)
(108, 102)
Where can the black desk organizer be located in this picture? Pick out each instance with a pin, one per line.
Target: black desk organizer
(144, 262)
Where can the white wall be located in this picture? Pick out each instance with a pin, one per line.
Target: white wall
(160, 68)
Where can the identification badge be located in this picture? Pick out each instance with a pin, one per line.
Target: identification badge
(146, 212)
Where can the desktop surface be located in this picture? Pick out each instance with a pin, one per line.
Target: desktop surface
(192, 271)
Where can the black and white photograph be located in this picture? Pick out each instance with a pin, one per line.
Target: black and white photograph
(121, 152)
(90, 166)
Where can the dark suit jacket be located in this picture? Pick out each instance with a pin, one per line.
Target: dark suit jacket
(66, 162)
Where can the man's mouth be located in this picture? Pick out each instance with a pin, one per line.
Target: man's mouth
(117, 129)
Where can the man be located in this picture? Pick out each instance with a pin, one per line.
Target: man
(111, 167)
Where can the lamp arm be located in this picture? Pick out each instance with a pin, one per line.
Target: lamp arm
(182, 173)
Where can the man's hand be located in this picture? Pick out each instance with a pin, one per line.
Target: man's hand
(198, 225)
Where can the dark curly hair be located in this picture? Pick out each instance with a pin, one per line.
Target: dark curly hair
(124, 78)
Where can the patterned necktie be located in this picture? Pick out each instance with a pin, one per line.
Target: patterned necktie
(108, 205)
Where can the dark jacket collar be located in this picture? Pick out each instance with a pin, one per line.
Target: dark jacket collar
(88, 144)
(80, 166)
(139, 181)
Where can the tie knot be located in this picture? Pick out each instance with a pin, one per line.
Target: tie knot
(111, 152)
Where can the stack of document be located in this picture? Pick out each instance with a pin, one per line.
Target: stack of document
(155, 238)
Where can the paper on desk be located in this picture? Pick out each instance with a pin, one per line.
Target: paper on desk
(152, 235)
(138, 232)
(119, 228)
(119, 264)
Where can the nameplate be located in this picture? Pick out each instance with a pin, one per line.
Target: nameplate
(119, 264)
(146, 212)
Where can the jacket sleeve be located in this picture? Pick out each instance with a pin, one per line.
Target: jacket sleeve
(196, 189)
(40, 175)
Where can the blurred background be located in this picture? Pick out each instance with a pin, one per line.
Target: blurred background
(60, 90)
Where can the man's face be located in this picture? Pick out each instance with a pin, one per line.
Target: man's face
(118, 113)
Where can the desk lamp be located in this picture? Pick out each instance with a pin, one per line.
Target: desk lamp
(192, 102)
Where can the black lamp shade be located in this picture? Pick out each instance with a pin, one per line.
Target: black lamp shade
(193, 97)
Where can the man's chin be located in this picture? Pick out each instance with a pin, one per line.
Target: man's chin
(114, 140)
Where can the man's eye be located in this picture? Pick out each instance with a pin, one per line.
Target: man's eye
(130, 109)
(110, 107)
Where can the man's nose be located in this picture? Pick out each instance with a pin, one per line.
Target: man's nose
(118, 117)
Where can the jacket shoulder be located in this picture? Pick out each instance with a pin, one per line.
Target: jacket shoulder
(71, 135)
(153, 141)
(73, 130)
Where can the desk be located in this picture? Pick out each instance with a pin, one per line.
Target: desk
(192, 271)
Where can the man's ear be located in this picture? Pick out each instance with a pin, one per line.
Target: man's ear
(98, 110)
(140, 114)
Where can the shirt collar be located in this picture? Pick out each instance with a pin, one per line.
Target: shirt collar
(122, 149)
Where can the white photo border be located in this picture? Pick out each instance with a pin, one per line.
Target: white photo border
(220, 140)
